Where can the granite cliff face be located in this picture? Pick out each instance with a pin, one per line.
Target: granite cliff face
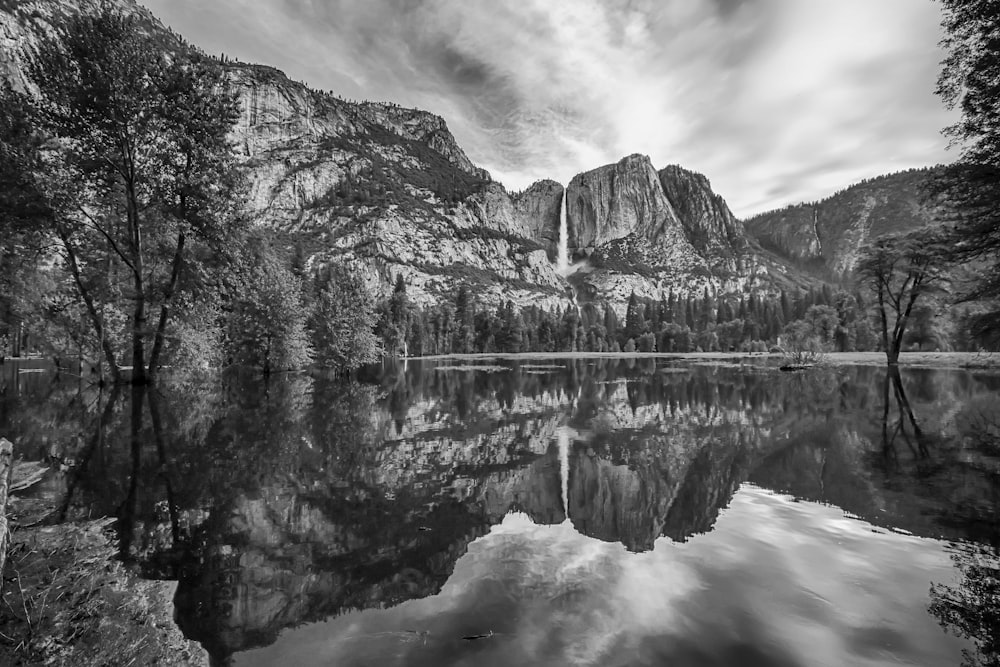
(826, 237)
(537, 209)
(387, 190)
(653, 233)
(710, 226)
(615, 201)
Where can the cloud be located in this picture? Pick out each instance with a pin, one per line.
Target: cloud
(776, 101)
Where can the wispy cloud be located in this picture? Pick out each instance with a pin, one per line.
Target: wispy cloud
(776, 101)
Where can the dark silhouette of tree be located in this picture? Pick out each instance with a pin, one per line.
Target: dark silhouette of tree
(899, 270)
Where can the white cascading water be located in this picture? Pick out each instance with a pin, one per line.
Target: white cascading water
(562, 260)
(564, 469)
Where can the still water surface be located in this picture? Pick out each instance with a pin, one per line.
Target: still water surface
(573, 512)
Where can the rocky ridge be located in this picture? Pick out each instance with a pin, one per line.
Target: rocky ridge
(826, 237)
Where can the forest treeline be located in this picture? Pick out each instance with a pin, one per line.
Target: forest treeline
(823, 319)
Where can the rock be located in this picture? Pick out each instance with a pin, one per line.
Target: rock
(618, 200)
(537, 209)
(711, 227)
(423, 127)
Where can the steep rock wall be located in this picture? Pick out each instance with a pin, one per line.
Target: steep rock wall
(711, 227)
(537, 209)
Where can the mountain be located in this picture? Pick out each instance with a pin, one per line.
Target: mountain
(653, 233)
(826, 237)
(389, 191)
(384, 188)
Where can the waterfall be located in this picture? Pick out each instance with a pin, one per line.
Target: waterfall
(562, 260)
(564, 468)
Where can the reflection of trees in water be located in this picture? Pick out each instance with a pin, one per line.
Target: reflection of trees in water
(368, 494)
(971, 608)
(904, 428)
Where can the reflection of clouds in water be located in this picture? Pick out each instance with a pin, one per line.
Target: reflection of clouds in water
(576, 596)
(778, 582)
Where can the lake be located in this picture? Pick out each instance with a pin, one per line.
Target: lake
(565, 512)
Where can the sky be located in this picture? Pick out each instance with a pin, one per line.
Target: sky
(776, 101)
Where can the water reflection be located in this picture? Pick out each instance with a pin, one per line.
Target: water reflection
(299, 500)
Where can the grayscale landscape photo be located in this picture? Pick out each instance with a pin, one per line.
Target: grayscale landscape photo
(522, 333)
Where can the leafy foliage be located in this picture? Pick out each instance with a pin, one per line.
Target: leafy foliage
(136, 166)
(970, 81)
(267, 324)
(342, 322)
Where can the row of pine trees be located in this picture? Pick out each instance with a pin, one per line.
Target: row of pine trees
(676, 323)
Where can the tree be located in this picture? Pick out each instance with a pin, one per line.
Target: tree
(397, 318)
(899, 270)
(970, 81)
(136, 163)
(341, 325)
(634, 317)
(969, 608)
(926, 329)
(267, 323)
(824, 321)
(801, 344)
(465, 317)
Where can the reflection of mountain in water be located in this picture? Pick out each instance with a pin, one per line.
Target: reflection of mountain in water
(283, 504)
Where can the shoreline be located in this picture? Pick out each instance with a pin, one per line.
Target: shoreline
(954, 360)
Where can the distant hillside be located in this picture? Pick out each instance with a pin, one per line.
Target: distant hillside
(826, 237)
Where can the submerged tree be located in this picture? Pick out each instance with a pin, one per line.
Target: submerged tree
(136, 165)
(899, 270)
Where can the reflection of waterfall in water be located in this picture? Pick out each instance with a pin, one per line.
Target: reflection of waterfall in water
(564, 468)
(562, 259)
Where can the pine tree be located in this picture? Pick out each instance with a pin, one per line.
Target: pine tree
(633, 318)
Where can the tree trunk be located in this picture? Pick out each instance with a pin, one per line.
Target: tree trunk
(88, 300)
(6, 470)
(138, 325)
(139, 313)
(161, 327)
(892, 354)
